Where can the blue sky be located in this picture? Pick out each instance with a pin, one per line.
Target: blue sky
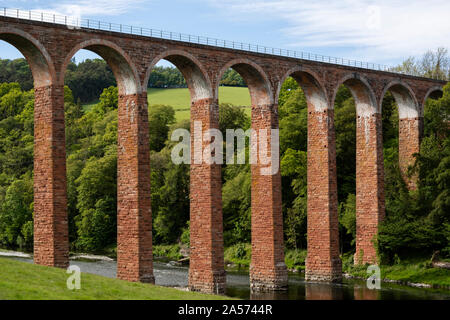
(374, 31)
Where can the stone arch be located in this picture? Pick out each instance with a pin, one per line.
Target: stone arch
(362, 92)
(313, 88)
(34, 52)
(194, 73)
(257, 80)
(405, 98)
(435, 92)
(124, 70)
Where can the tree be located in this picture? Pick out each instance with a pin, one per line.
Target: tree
(97, 189)
(232, 79)
(88, 79)
(160, 118)
(419, 219)
(16, 213)
(433, 64)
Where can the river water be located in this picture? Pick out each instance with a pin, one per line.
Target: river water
(167, 274)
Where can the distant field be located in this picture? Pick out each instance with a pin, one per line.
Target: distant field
(180, 99)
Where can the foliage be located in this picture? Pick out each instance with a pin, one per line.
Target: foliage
(232, 79)
(160, 118)
(88, 79)
(169, 251)
(433, 64)
(239, 254)
(18, 71)
(295, 259)
(419, 220)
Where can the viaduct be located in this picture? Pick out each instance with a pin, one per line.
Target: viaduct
(49, 47)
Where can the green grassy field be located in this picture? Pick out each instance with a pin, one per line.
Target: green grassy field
(180, 99)
(25, 281)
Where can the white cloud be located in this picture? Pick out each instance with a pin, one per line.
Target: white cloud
(92, 7)
(385, 29)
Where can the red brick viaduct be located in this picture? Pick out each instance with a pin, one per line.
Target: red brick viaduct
(49, 48)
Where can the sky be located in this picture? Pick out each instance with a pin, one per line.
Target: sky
(384, 31)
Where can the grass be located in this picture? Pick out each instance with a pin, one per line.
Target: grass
(409, 270)
(25, 281)
(180, 99)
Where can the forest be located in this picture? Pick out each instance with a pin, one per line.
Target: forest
(417, 222)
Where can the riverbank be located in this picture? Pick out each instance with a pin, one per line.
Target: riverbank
(414, 272)
(25, 281)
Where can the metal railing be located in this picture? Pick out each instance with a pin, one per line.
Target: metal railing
(77, 23)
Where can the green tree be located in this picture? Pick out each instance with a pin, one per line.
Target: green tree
(160, 118)
(16, 211)
(97, 189)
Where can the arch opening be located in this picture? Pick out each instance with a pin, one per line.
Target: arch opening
(311, 87)
(123, 69)
(404, 97)
(364, 97)
(255, 78)
(35, 54)
(196, 77)
(364, 161)
(434, 93)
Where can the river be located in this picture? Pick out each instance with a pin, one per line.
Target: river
(167, 274)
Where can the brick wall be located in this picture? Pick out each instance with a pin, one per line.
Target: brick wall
(206, 269)
(267, 270)
(134, 220)
(369, 185)
(51, 240)
(409, 131)
(322, 262)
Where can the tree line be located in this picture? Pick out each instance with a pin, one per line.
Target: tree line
(89, 78)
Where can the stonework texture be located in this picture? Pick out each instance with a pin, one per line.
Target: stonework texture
(206, 268)
(369, 186)
(48, 49)
(267, 270)
(408, 144)
(51, 238)
(134, 219)
(322, 262)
